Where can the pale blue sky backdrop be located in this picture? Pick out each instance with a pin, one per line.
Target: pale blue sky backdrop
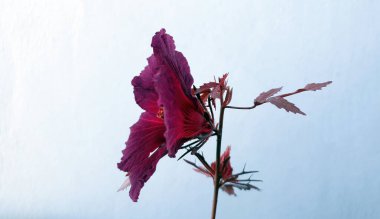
(66, 105)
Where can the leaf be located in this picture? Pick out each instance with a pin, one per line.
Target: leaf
(243, 186)
(214, 89)
(316, 86)
(206, 87)
(309, 87)
(229, 189)
(263, 97)
(215, 93)
(222, 80)
(282, 103)
(228, 97)
(199, 169)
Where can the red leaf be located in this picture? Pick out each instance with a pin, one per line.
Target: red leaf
(222, 80)
(229, 189)
(200, 169)
(207, 86)
(215, 93)
(203, 171)
(309, 87)
(263, 97)
(204, 95)
(214, 89)
(316, 86)
(228, 97)
(281, 103)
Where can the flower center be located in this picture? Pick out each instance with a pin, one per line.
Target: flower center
(160, 113)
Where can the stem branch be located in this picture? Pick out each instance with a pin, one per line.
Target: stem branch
(244, 108)
(217, 169)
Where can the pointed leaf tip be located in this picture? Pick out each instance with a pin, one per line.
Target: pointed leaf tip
(316, 86)
(263, 97)
(282, 103)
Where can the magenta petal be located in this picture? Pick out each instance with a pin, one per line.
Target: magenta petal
(164, 50)
(183, 116)
(146, 136)
(140, 173)
(145, 94)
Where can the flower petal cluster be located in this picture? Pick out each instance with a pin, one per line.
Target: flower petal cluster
(172, 114)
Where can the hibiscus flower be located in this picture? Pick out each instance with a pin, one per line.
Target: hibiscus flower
(172, 113)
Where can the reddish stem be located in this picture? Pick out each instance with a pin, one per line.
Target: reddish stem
(217, 169)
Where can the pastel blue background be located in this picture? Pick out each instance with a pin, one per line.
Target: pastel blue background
(66, 105)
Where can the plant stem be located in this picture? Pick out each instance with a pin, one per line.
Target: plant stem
(217, 169)
(243, 108)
